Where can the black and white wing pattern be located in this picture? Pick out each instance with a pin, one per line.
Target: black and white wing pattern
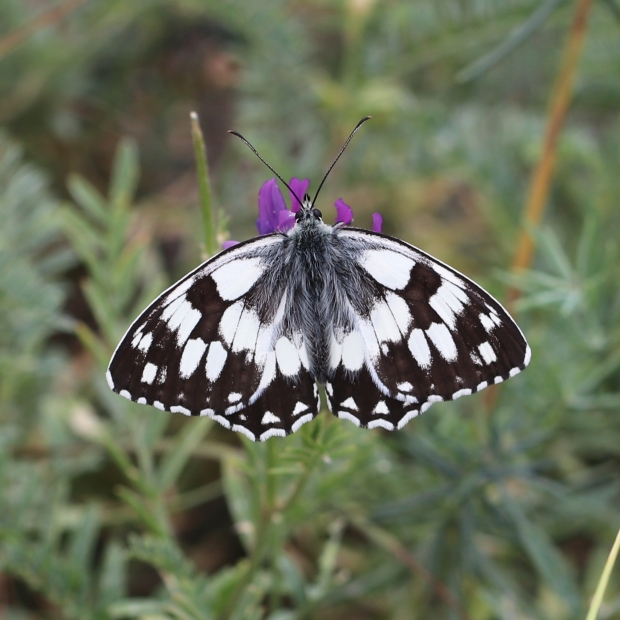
(418, 332)
(218, 343)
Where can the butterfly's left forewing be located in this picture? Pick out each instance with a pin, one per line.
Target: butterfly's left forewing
(218, 343)
(422, 333)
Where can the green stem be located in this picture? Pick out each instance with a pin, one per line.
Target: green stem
(597, 599)
(204, 187)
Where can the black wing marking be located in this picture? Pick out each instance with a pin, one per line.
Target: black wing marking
(216, 344)
(425, 333)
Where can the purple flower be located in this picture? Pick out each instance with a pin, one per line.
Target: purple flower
(299, 188)
(270, 203)
(273, 214)
(344, 213)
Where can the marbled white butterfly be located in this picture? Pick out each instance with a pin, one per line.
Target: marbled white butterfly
(246, 337)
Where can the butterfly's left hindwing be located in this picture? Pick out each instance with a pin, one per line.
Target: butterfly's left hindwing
(217, 343)
(420, 333)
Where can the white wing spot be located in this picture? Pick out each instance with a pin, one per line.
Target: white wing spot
(108, 378)
(273, 432)
(269, 418)
(419, 348)
(400, 310)
(280, 311)
(159, 405)
(391, 269)
(299, 408)
(381, 408)
(446, 274)
(176, 312)
(345, 415)
(234, 397)
(384, 324)
(329, 389)
(303, 356)
(380, 422)
(488, 355)
(514, 371)
(491, 309)
(229, 321)
(149, 373)
(353, 351)
(247, 331)
(237, 277)
(170, 310)
(487, 322)
(244, 431)
(187, 326)
(370, 339)
(350, 404)
(179, 409)
(498, 379)
(222, 420)
(162, 376)
(442, 339)
(447, 302)
(335, 352)
(301, 421)
(216, 358)
(406, 418)
(435, 398)
(192, 354)
(207, 412)
(481, 386)
(141, 401)
(404, 387)
(137, 336)
(474, 358)
(459, 393)
(179, 290)
(528, 356)
(269, 372)
(288, 359)
(145, 343)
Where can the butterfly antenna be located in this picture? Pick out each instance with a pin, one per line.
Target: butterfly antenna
(366, 118)
(235, 133)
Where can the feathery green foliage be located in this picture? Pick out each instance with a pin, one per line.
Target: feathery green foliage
(109, 509)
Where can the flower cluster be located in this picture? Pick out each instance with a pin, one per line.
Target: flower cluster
(273, 214)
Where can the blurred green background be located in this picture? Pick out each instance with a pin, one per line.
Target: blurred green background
(481, 509)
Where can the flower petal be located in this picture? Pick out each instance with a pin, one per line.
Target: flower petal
(377, 222)
(229, 244)
(286, 220)
(299, 188)
(344, 213)
(270, 203)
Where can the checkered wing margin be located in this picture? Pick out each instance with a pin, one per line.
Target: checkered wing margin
(418, 332)
(218, 343)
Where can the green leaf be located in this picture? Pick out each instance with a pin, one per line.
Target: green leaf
(186, 441)
(545, 557)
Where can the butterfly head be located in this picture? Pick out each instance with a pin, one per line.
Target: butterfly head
(307, 214)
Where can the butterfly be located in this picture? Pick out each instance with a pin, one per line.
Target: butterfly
(247, 336)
